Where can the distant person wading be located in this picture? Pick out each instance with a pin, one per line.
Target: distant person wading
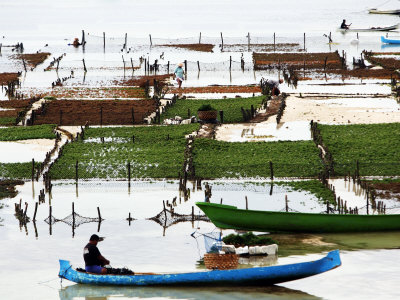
(179, 74)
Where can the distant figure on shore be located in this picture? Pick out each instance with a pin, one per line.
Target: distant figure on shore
(76, 43)
(344, 25)
(94, 261)
(274, 86)
(179, 74)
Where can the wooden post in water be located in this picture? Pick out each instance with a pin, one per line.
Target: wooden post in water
(199, 40)
(274, 42)
(126, 41)
(230, 63)
(248, 41)
(76, 171)
(98, 213)
(104, 40)
(247, 203)
(83, 38)
(23, 61)
(168, 67)
(192, 213)
(198, 66)
(185, 66)
(286, 204)
(129, 173)
(26, 209)
(33, 169)
(271, 170)
(34, 214)
(50, 220)
(73, 215)
(133, 69)
(84, 65)
(151, 42)
(304, 38)
(222, 42)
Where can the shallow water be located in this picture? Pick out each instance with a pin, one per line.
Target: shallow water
(287, 131)
(25, 151)
(144, 245)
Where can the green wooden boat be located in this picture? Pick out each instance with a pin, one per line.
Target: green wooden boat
(230, 217)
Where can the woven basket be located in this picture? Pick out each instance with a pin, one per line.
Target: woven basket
(221, 261)
(207, 114)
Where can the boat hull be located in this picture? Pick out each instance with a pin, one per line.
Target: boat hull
(389, 41)
(251, 276)
(377, 29)
(229, 217)
(384, 12)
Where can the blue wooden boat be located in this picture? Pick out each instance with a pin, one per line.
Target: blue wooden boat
(389, 41)
(251, 276)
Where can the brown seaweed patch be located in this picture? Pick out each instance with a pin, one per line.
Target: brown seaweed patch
(33, 59)
(193, 47)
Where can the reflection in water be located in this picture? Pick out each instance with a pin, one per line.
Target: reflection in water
(102, 292)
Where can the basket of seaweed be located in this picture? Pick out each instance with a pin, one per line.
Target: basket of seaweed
(216, 261)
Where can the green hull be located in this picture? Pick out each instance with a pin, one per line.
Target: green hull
(229, 217)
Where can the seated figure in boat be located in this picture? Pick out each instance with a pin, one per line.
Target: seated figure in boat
(94, 261)
(76, 42)
(344, 25)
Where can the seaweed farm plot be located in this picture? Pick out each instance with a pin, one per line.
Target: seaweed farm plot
(345, 74)
(280, 47)
(387, 60)
(369, 150)
(232, 108)
(13, 110)
(216, 89)
(97, 93)
(328, 60)
(94, 112)
(217, 159)
(32, 59)
(193, 47)
(122, 152)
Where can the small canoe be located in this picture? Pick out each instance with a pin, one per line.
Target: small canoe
(389, 41)
(371, 29)
(251, 276)
(384, 12)
(230, 217)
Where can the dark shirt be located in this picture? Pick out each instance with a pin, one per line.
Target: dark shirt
(91, 254)
(273, 83)
(344, 26)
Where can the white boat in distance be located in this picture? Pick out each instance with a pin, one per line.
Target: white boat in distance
(384, 12)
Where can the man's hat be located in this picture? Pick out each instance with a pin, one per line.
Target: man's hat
(95, 237)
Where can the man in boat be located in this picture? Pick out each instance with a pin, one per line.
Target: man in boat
(274, 86)
(344, 25)
(76, 43)
(94, 261)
